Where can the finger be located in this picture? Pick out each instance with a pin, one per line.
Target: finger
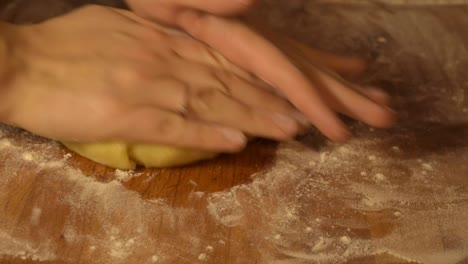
(346, 65)
(162, 92)
(214, 106)
(254, 96)
(257, 55)
(168, 11)
(245, 94)
(200, 75)
(196, 51)
(231, 7)
(151, 125)
(188, 48)
(376, 94)
(373, 93)
(352, 103)
(147, 24)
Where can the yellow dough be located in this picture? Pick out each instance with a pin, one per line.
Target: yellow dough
(127, 156)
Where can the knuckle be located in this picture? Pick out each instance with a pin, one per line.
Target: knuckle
(149, 35)
(225, 81)
(128, 76)
(204, 101)
(193, 46)
(141, 55)
(223, 76)
(216, 58)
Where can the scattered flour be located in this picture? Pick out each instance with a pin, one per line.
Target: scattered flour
(308, 207)
(67, 156)
(25, 250)
(382, 40)
(379, 177)
(36, 216)
(345, 240)
(124, 176)
(4, 143)
(202, 257)
(27, 156)
(427, 166)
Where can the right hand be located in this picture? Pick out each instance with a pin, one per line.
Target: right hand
(102, 74)
(316, 92)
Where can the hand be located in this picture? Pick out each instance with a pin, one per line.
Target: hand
(105, 74)
(318, 94)
(170, 12)
(325, 71)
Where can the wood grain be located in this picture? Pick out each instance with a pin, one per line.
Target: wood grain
(432, 127)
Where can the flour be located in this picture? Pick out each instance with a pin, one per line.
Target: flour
(382, 40)
(209, 248)
(427, 166)
(317, 203)
(24, 250)
(36, 216)
(202, 257)
(27, 156)
(380, 178)
(345, 240)
(284, 210)
(4, 143)
(125, 176)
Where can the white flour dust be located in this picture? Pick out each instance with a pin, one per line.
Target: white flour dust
(293, 213)
(35, 216)
(400, 193)
(23, 250)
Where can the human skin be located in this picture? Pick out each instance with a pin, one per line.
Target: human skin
(100, 74)
(317, 94)
(105, 74)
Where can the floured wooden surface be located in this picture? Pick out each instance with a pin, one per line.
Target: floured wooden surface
(394, 196)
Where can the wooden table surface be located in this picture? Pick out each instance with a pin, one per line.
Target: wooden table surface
(388, 196)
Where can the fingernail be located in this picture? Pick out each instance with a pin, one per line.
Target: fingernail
(234, 136)
(285, 123)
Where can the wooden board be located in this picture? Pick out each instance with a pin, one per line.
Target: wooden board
(394, 196)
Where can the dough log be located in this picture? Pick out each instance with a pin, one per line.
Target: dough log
(127, 156)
